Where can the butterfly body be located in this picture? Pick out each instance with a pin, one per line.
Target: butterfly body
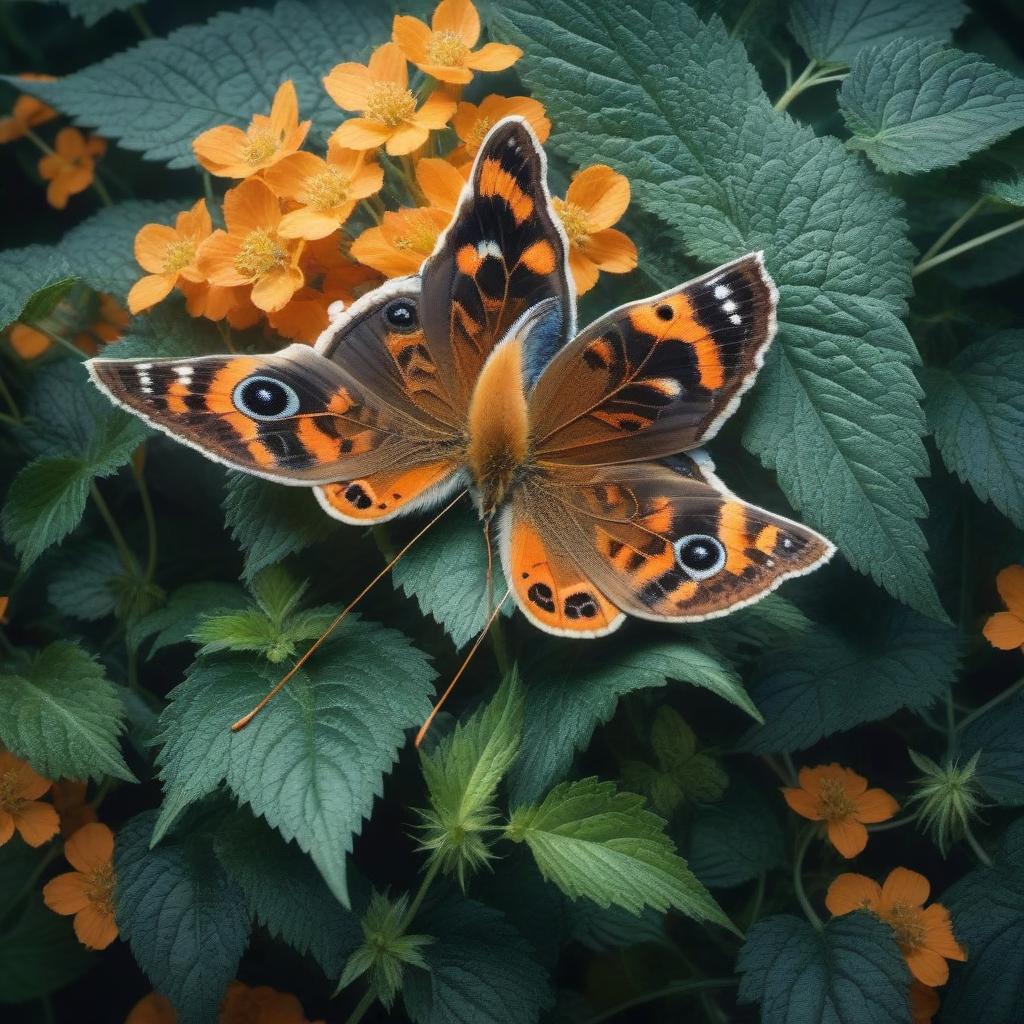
(471, 375)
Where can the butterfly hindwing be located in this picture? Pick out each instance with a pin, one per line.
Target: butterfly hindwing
(658, 376)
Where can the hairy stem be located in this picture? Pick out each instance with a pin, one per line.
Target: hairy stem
(959, 250)
(988, 705)
(127, 558)
(953, 228)
(979, 850)
(150, 517)
(798, 882)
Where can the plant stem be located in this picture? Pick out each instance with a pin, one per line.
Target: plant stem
(675, 988)
(9, 399)
(894, 823)
(147, 511)
(432, 869)
(953, 228)
(959, 250)
(369, 998)
(140, 20)
(988, 705)
(101, 190)
(127, 558)
(60, 340)
(40, 144)
(37, 872)
(798, 883)
(758, 900)
(978, 849)
(812, 75)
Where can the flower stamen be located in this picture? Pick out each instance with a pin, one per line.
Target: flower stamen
(834, 802)
(575, 220)
(447, 49)
(327, 189)
(259, 253)
(179, 255)
(906, 922)
(262, 144)
(389, 104)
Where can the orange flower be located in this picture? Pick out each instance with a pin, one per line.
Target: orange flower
(304, 318)
(841, 799)
(20, 807)
(152, 1009)
(88, 891)
(111, 320)
(445, 49)
(924, 934)
(380, 91)
(596, 199)
(70, 803)
(252, 250)
(241, 1005)
(403, 241)
(441, 182)
(229, 152)
(1005, 630)
(71, 167)
(28, 112)
(4, 602)
(472, 122)
(169, 254)
(27, 341)
(339, 278)
(326, 190)
(924, 1003)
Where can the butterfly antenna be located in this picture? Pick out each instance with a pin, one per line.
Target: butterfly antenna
(246, 719)
(425, 727)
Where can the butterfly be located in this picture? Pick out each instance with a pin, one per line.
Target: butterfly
(583, 448)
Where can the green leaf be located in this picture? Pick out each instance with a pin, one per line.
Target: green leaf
(736, 839)
(446, 571)
(64, 716)
(851, 972)
(92, 11)
(26, 273)
(915, 106)
(987, 909)
(604, 929)
(975, 407)
(285, 893)
(184, 919)
(570, 692)
(997, 737)
(834, 31)
(158, 96)
(44, 301)
(1008, 191)
(675, 105)
(270, 522)
(594, 842)
(478, 969)
(82, 585)
(831, 682)
(177, 620)
(313, 761)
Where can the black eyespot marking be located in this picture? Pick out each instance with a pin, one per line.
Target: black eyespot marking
(355, 495)
(265, 398)
(700, 555)
(347, 445)
(540, 594)
(401, 315)
(664, 312)
(580, 606)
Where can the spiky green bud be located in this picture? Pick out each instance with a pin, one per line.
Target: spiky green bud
(946, 797)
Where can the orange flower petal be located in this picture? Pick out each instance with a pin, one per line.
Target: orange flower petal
(388, 64)
(850, 892)
(602, 192)
(441, 183)
(284, 112)
(848, 837)
(307, 223)
(361, 133)
(94, 928)
(447, 73)
(27, 341)
(304, 318)
(220, 147)
(195, 222)
(494, 57)
(924, 1002)
(1005, 631)
(70, 143)
(939, 933)
(374, 250)
(407, 138)
(67, 893)
(36, 822)
(90, 848)
(150, 290)
(584, 271)
(274, 290)
(928, 967)
(1010, 584)
(6, 827)
(287, 176)
(412, 35)
(460, 17)
(349, 85)
(249, 206)
(216, 260)
(905, 886)
(496, 107)
(436, 112)
(803, 803)
(30, 784)
(151, 244)
(612, 251)
(152, 1009)
(367, 180)
(875, 805)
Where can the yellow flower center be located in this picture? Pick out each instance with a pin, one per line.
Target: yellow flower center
(906, 922)
(262, 144)
(99, 889)
(447, 49)
(179, 255)
(480, 128)
(833, 801)
(420, 236)
(11, 799)
(261, 250)
(389, 104)
(327, 189)
(575, 220)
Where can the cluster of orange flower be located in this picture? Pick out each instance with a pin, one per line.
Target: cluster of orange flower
(287, 251)
(84, 319)
(69, 165)
(841, 800)
(241, 1005)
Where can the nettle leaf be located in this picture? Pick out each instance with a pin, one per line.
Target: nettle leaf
(285, 893)
(184, 919)
(178, 619)
(676, 106)
(850, 972)
(604, 929)
(270, 522)
(28, 272)
(594, 842)
(834, 31)
(158, 96)
(975, 406)
(479, 968)
(82, 585)
(998, 737)
(313, 761)
(830, 682)
(64, 716)
(44, 301)
(446, 571)
(915, 106)
(569, 693)
(987, 908)
(736, 839)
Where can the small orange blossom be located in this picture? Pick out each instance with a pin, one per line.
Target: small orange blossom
(20, 807)
(445, 49)
(404, 239)
(28, 342)
(71, 167)
(27, 113)
(88, 891)
(924, 1002)
(924, 934)
(840, 798)
(304, 318)
(241, 1005)
(1005, 630)
(472, 122)
(70, 803)
(229, 152)
(380, 91)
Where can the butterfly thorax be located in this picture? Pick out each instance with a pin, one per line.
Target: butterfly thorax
(499, 429)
